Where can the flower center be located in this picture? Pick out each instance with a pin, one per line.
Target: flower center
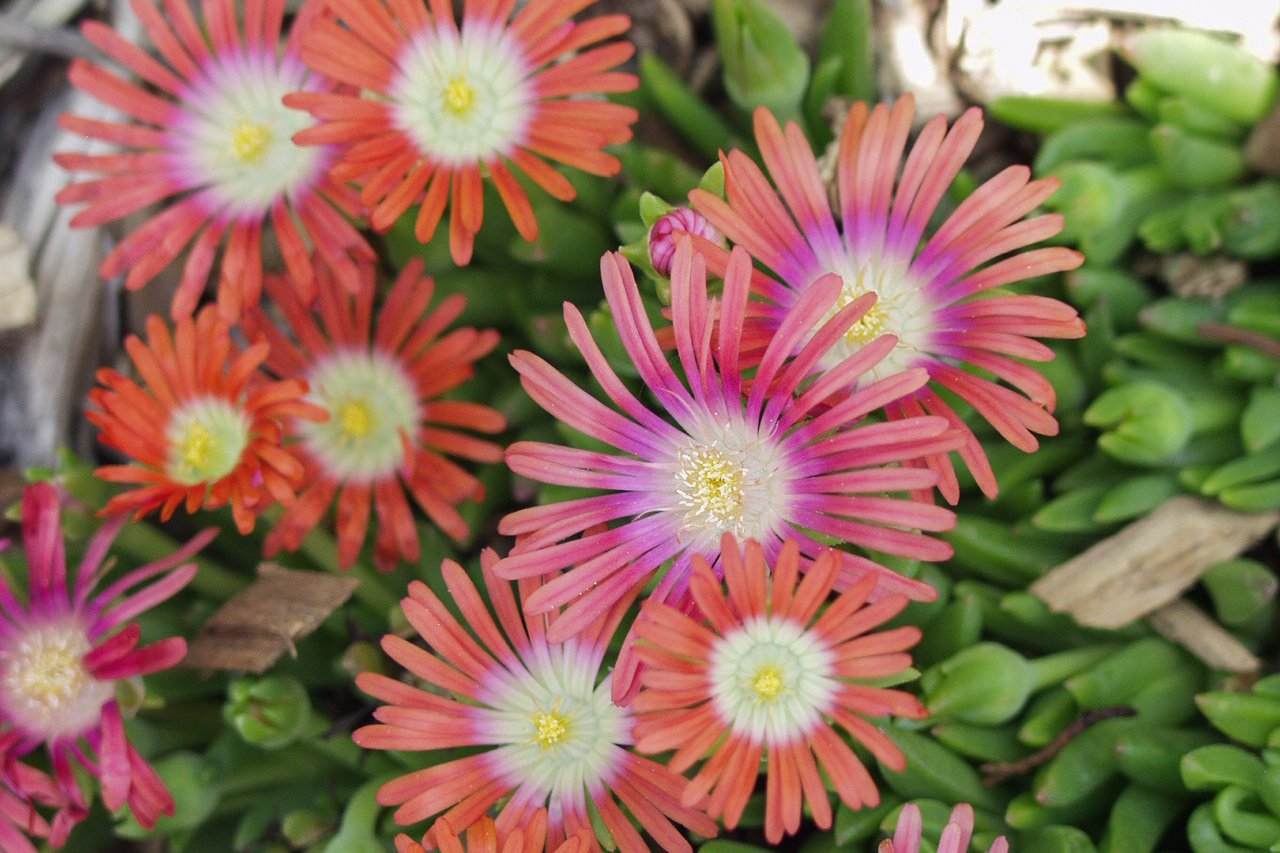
(249, 141)
(556, 728)
(459, 97)
(772, 680)
(206, 440)
(551, 728)
(768, 683)
(46, 689)
(462, 97)
(356, 419)
(711, 488)
(234, 136)
(901, 309)
(872, 325)
(727, 478)
(372, 406)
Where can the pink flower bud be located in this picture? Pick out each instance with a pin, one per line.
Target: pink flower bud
(662, 237)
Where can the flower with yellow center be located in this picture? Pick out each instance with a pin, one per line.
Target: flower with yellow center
(772, 679)
(371, 405)
(551, 728)
(206, 439)
(462, 97)
(537, 717)
(44, 685)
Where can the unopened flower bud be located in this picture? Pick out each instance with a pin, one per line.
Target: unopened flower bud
(662, 237)
(269, 712)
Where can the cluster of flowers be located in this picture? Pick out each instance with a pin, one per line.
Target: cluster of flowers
(806, 407)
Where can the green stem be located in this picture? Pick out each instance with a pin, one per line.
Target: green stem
(148, 544)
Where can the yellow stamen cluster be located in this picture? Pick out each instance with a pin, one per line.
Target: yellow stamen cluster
(47, 671)
(459, 97)
(249, 141)
(195, 448)
(552, 728)
(356, 419)
(768, 683)
(872, 325)
(710, 486)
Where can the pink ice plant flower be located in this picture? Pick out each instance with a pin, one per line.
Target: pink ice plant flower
(213, 140)
(766, 455)
(955, 837)
(62, 654)
(937, 295)
(552, 737)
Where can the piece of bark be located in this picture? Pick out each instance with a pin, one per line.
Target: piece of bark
(1262, 148)
(1151, 562)
(1183, 623)
(253, 629)
(17, 290)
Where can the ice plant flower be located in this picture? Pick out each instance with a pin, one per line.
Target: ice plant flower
(61, 657)
(204, 429)
(388, 430)
(955, 837)
(446, 105)
(768, 676)
(665, 232)
(768, 464)
(482, 837)
(556, 740)
(21, 789)
(212, 139)
(936, 294)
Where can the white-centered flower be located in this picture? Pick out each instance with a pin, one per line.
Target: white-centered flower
(901, 309)
(463, 97)
(234, 135)
(45, 687)
(206, 438)
(728, 478)
(772, 681)
(373, 411)
(558, 731)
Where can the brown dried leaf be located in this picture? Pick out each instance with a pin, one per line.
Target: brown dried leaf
(256, 626)
(1151, 562)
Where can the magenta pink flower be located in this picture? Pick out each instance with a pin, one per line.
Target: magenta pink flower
(61, 657)
(765, 456)
(955, 837)
(552, 737)
(936, 295)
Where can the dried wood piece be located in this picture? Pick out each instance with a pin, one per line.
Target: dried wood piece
(1149, 563)
(259, 624)
(1188, 626)
(17, 290)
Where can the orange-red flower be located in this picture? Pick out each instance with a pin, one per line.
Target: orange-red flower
(768, 678)
(380, 382)
(211, 139)
(451, 103)
(204, 428)
(483, 836)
